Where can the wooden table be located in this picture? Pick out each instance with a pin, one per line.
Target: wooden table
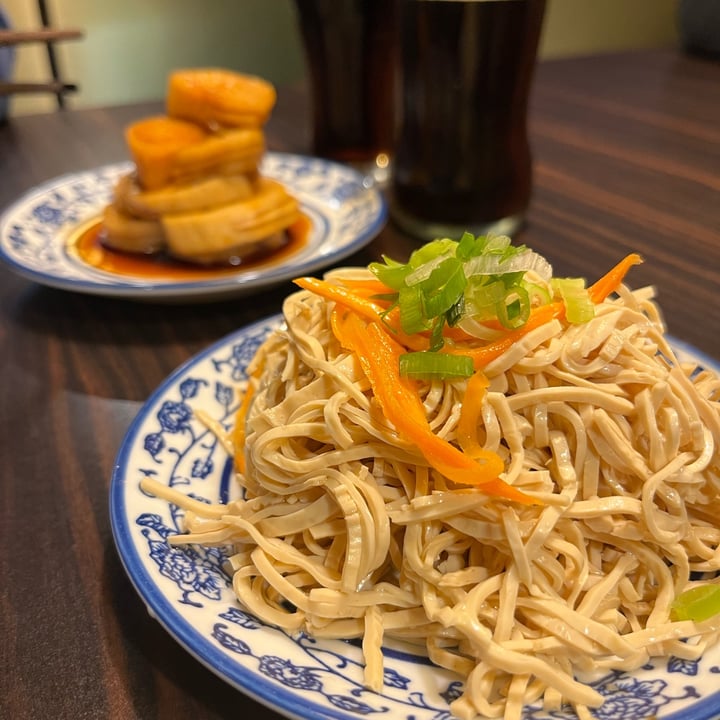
(627, 154)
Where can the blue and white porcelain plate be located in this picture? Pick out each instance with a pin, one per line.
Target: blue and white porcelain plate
(36, 231)
(188, 592)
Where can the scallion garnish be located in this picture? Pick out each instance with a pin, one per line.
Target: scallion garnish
(698, 604)
(482, 278)
(514, 309)
(444, 287)
(434, 365)
(413, 318)
(579, 308)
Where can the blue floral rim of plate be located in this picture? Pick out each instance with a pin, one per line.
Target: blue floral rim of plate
(187, 591)
(35, 230)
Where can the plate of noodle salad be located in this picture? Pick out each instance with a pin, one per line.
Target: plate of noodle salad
(454, 486)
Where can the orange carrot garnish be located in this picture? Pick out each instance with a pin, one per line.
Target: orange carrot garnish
(346, 297)
(367, 287)
(470, 413)
(610, 282)
(484, 354)
(378, 355)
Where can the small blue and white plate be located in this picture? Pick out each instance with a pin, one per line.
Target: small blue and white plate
(190, 595)
(36, 231)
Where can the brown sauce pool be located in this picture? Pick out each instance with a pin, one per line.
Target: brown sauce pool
(87, 244)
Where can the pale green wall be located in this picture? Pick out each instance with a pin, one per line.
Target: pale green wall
(131, 45)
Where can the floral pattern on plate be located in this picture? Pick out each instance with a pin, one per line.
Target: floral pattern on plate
(187, 590)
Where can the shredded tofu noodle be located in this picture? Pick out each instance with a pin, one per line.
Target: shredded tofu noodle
(347, 532)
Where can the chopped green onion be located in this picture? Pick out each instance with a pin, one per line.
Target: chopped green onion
(469, 246)
(537, 293)
(436, 336)
(499, 245)
(579, 308)
(476, 278)
(504, 262)
(432, 250)
(435, 366)
(444, 287)
(423, 273)
(514, 309)
(481, 299)
(455, 313)
(412, 312)
(699, 603)
(392, 273)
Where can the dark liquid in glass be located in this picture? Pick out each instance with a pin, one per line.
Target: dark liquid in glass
(350, 45)
(462, 156)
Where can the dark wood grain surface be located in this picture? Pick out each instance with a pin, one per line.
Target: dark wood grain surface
(627, 152)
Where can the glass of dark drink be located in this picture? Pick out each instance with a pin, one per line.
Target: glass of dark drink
(462, 157)
(350, 49)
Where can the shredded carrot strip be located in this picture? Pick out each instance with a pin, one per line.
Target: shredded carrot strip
(371, 310)
(493, 324)
(365, 307)
(470, 416)
(487, 353)
(351, 294)
(362, 306)
(367, 287)
(371, 287)
(610, 282)
(379, 356)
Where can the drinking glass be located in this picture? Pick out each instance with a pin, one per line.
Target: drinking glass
(350, 49)
(462, 157)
